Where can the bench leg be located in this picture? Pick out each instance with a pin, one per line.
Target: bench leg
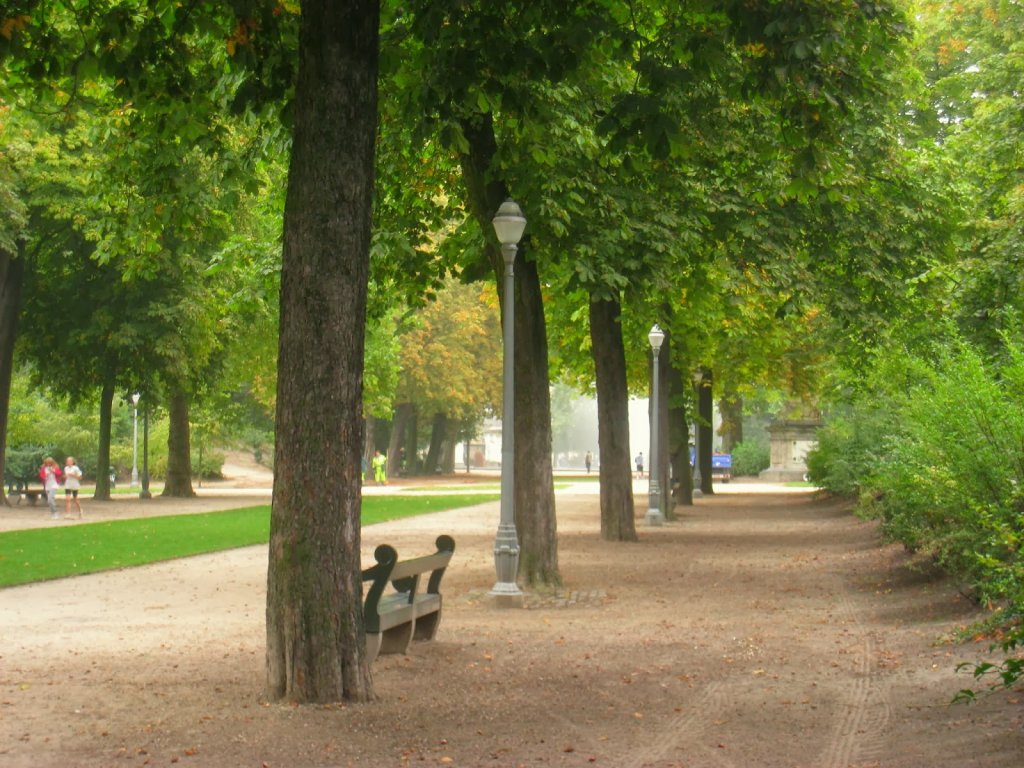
(426, 626)
(397, 639)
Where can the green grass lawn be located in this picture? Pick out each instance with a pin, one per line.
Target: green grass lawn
(40, 554)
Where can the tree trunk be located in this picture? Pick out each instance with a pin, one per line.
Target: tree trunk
(413, 443)
(316, 645)
(705, 410)
(396, 447)
(664, 438)
(178, 483)
(534, 481)
(12, 278)
(616, 474)
(731, 431)
(448, 449)
(437, 434)
(368, 447)
(102, 491)
(678, 427)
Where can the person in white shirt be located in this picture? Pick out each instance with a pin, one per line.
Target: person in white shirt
(49, 473)
(72, 482)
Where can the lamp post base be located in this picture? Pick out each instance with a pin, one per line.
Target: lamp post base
(654, 514)
(506, 563)
(654, 517)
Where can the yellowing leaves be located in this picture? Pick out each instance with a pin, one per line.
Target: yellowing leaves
(13, 24)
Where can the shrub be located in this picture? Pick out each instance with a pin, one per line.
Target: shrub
(750, 457)
(850, 447)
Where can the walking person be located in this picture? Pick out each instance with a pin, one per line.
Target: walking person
(72, 482)
(49, 473)
(588, 460)
(640, 464)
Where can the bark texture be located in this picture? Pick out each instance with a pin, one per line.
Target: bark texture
(12, 278)
(617, 506)
(705, 409)
(179, 449)
(534, 482)
(316, 648)
(397, 445)
(730, 405)
(102, 491)
(678, 428)
(438, 430)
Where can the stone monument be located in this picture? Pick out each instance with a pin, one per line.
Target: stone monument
(790, 440)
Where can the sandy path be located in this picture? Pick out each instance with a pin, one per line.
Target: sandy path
(758, 630)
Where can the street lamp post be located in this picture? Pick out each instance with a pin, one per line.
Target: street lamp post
(135, 439)
(509, 224)
(654, 513)
(697, 479)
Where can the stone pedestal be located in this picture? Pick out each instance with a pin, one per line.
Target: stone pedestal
(791, 439)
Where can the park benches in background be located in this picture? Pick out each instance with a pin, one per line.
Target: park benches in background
(394, 619)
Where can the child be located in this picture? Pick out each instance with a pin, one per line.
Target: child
(49, 473)
(72, 482)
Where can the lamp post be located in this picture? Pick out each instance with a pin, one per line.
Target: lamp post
(697, 480)
(135, 439)
(654, 514)
(509, 224)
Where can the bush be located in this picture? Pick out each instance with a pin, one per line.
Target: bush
(750, 457)
(938, 456)
(850, 447)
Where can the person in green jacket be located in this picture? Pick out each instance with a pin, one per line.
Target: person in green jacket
(380, 467)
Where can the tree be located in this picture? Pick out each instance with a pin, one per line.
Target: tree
(451, 362)
(315, 636)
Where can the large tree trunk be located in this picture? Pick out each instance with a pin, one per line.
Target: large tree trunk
(412, 442)
(731, 407)
(534, 481)
(316, 646)
(368, 447)
(12, 278)
(438, 430)
(102, 491)
(448, 448)
(178, 483)
(677, 387)
(661, 467)
(617, 510)
(705, 410)
(396, 447)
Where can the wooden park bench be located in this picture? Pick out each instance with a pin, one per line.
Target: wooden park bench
(20, 487)
(410, 612)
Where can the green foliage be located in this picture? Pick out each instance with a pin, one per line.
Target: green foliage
(935, 447)
(750, 457)
(849, 448)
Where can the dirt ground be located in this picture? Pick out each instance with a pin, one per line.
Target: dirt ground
(760, 629)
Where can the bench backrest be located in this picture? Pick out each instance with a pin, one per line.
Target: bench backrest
(404, 576)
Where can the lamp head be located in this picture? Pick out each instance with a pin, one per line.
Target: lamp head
(509, 223)
(656, 337)
(135, 398)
